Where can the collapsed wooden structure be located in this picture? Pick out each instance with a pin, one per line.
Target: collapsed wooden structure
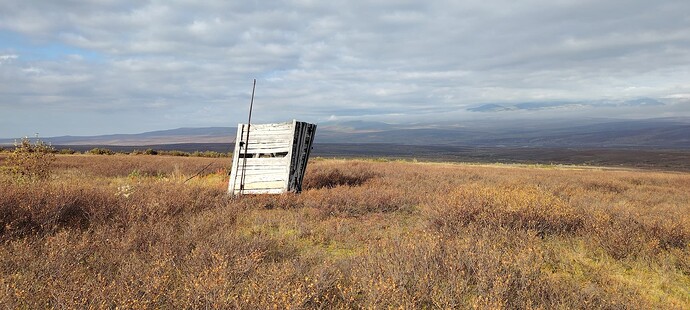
(270, 158)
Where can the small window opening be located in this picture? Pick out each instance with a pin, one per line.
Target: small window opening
(264, 155)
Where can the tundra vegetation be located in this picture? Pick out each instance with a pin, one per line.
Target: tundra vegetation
(128, 231)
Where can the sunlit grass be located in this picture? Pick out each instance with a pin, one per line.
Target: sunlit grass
(141, 232)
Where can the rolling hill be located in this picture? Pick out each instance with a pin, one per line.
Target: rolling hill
(667, 133)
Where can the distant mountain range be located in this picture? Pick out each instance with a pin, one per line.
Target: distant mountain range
(667, 133)
(536, 106)
(172, 136)
(670, 133)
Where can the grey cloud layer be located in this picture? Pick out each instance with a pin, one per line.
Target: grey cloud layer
(190, 64)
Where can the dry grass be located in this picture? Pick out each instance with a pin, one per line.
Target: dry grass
(126, 231)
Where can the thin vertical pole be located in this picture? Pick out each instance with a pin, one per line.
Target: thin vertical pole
(246, 141)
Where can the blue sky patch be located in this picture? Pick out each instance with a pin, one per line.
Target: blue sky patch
(33, 50)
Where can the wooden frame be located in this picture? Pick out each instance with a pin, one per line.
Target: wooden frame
(276, 158)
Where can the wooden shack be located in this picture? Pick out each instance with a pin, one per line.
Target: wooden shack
(272, 159)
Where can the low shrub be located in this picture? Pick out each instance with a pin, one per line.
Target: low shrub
(332, 177)
(100, 151)
(45, 208)
(125, 231)
(623, 234)
(66, 151)
(51, 207)
(173, 153)
(357, 201)
(517, 207)
(30, 161)
(210, 154)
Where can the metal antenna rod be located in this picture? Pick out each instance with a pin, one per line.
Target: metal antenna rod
(246, 143)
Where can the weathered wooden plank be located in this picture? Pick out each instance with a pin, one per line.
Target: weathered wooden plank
(266, 140)
(254, 179)
(293, 155)
(234, 176)
(264, 170)
(265, 161)
(260, 133)
(259, 165)
(266, 130)
(256, 173)
(261, 149)
(302, 148)
(263, 191)
(271, 126)
(272, 143)
(268, 150)
(265, 167)
(278, 142)
(260, 174)
(270, 140)
(264, 137)
(265, 185)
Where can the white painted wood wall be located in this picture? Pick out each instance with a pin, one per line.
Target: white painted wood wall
(277, 156)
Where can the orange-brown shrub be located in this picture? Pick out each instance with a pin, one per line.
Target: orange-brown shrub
(122, 165)
(329, 178)
(97, 235)
(41, 208)
(622, 234)
(30, 161)
(357, 201)
(338, 201)
(516, 207)
(483, 267)
(50, 207)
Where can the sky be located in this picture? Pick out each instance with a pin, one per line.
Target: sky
(109, 66)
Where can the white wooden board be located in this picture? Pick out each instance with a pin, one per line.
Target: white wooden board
(274, 152)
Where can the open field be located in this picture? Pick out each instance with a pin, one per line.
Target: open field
(642, 158)
(127, 231)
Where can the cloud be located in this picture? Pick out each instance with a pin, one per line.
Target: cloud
(183, 63)
(7, 58)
